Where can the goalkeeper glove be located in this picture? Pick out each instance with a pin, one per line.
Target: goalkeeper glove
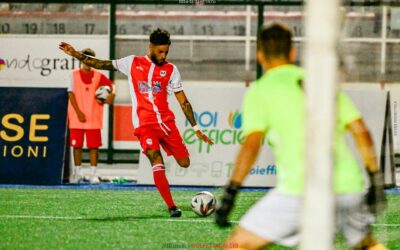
(226, 204)
(375, 197)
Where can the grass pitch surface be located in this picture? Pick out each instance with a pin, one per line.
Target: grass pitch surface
(130, 219)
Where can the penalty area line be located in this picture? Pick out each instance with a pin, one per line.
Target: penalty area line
(386, 225)
(46, 217)
(41, 217)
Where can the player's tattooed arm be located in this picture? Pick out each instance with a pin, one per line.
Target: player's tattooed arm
(188, 111)
(186, 107)
(96, 63)
(88, 60)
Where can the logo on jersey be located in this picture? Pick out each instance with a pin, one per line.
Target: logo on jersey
(144, 88)
(163, 73)
(139, 68)
(142, 85)
(149, 141)
(156, 87)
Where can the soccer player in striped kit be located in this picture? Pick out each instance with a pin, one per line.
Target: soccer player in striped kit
(151, 79)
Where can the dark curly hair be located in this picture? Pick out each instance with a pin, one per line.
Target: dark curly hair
(275, 41)
(160, 37)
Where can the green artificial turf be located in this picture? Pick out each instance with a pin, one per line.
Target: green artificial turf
(134, 219)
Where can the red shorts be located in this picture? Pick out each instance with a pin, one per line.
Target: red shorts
(167, 135)
(93, 138)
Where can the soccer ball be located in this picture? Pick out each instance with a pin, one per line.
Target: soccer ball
(203, 203)
(102, 93)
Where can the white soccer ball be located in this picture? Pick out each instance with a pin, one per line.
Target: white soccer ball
(102, 93)
(204, 203)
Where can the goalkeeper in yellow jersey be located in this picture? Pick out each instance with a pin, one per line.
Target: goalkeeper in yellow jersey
(273, 107)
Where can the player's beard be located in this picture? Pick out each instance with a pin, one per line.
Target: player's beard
(156, 61)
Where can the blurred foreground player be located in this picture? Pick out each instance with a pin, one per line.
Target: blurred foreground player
(151, 79)
(85, 115)
(274, 107)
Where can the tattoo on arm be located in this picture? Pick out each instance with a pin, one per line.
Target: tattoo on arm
(96, 63)
(188, 111)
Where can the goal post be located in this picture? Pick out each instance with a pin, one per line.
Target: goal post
(322, 21)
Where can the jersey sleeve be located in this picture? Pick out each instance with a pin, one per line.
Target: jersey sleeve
(347, 112)
(123, 65)
(175, 83)
(254, 116)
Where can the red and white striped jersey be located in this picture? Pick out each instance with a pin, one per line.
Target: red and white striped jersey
(149, 86)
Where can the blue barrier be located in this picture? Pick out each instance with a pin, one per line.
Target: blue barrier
(32, 135)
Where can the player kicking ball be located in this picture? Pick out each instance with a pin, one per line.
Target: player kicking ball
(274, 107)
(151, 79)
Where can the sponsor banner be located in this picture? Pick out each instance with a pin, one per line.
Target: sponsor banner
(212, 165)
(394, 89)
(36, 61)
(32, 135)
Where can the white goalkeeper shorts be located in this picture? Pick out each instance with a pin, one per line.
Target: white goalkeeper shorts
(276, 218)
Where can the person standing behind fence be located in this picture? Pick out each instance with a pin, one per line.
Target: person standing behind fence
(85, 115)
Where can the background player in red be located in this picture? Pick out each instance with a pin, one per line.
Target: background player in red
(85, 115)
(151, 78)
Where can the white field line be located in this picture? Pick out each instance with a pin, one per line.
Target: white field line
(44, 217)
(128, 218)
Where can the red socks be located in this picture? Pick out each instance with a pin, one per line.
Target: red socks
(161, 182)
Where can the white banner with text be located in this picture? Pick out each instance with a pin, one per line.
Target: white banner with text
(219, 116)
(36, 61)
(218, 112)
